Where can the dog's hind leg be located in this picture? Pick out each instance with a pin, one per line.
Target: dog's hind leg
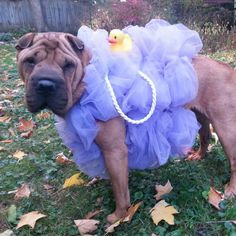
(227, 136)
(204, 135)
(111, 139)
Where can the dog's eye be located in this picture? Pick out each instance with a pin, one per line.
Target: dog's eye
(68, 66)
(30, 61)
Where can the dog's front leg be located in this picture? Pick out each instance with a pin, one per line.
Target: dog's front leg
(111, 139)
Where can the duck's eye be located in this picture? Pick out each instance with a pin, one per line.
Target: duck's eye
(115, 37)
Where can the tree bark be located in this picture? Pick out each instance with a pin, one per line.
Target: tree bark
(37, 13)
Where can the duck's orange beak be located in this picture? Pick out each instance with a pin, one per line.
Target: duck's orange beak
(112, 41)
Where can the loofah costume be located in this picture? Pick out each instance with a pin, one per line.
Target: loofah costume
(164, 53)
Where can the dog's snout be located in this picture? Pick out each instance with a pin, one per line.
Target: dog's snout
(46, 85)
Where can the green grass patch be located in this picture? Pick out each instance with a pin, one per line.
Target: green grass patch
(190, 180)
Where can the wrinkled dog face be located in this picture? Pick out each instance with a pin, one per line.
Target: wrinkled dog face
(51, 65)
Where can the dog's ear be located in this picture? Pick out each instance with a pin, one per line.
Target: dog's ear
(25, 41)
(76, 43)
(78, 46)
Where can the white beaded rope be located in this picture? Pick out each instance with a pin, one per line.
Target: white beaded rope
(121, 113)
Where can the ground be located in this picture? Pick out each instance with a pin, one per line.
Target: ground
(191, 181)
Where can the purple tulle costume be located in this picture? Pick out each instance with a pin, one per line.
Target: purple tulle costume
(164, 53)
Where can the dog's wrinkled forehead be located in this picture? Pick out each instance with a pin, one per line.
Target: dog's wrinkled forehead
(50, 41)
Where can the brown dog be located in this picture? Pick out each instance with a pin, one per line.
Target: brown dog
(52, 67)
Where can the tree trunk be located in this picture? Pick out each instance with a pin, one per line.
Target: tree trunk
(37, 14)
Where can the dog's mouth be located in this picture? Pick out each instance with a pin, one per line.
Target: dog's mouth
(47, 94)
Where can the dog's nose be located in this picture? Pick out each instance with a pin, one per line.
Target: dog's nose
(46, 85)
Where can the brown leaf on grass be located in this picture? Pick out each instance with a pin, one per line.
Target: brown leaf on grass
(7, 233)
(131, 211)
(93, 181)
(25, 125)
(5, 119)
(162, 190)
(19, 83)
(47, 187)
(163, 211)
(27, 134)
(44, 115)
(47, 141)
(7, 141)
(99, 200)
(62, 159)
(22, 192)
(91, 214)
(1, 148)
(112, 227)
(86, 225)
(19, 155)
(12, 132)
(29, 219)
(46, 127)
(215, 197)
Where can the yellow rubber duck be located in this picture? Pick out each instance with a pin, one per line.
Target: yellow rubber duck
(119, 41)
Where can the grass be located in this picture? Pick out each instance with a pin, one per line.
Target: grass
(190, 180)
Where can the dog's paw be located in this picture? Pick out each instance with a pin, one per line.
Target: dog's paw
(230, 192)
(115, 216)
(193, 156)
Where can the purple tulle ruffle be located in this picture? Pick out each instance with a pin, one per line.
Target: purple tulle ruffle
(164, 53)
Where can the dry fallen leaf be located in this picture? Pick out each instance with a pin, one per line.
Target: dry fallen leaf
(25, 125)
(131, 211)
(62, 159)
(163, 211)
(22, 192)
(215, 197)
(112, 227)
(5, 119)
(7, 233)
(73, 180)
(7, 141)
(86, 226)
(44, 115)
(19, 155)
(93, 181)
(27, 134)
(47, 187)
(47, 141)
(29, 219)
(91, 214)
(1, 148)
(99, 200)
(47, 126)
(12, 132)
(162, 190)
